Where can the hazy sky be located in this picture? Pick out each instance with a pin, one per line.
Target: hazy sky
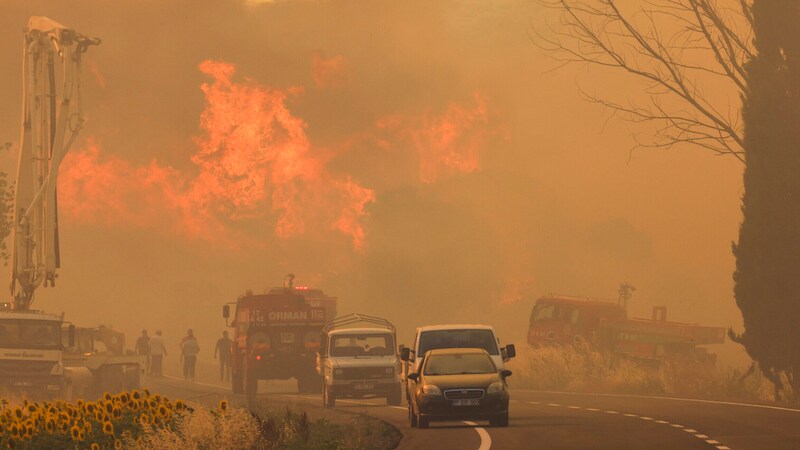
(417, 159)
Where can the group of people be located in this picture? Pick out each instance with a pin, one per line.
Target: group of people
(154, 351)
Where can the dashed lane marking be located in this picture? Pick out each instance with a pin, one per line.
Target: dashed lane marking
(697, 434)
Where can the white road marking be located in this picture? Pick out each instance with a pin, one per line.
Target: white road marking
(701, 436)
(689, 430)
(679, 399)
(645, 418)
(722, 447)
(486, 440)
(592, 409)
(711, 441)
(611, 412)
(574, 407)
(535, 403)
(661, 421)
(553, 404)
(629, 415)
(676, 425)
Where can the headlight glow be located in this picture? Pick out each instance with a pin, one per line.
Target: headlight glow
(495, 387)
(430, 389)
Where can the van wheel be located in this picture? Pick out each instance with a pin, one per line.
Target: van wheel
(412, 418)
(394, 398)
(328, 399)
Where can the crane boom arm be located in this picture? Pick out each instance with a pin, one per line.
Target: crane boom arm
(50, 123)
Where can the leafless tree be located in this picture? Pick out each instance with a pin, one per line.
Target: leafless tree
(677, 48)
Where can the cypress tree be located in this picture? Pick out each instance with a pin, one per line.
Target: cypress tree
(767, 276)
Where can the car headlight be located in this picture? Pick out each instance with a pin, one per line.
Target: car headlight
(495, 387)
(430, 389)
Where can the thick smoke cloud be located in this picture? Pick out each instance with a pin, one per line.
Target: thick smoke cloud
(454, 178)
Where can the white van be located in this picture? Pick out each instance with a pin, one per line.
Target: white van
(433, 337)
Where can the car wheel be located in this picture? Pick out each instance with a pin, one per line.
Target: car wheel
(412, 418)
(499, 421)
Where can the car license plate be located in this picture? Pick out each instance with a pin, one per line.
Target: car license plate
(467, 402)
(364, 387)
(287, 338)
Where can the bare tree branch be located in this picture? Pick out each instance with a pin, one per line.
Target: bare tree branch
(676, 47)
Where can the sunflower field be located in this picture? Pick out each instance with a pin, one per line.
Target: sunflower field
(125, 420)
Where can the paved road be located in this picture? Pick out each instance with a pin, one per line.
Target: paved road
(553, 420)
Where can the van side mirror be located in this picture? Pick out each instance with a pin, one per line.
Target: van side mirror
(71, 336)
(506, 373)
(405, 354)
(413, 376)
(226, 311)
(511, 351)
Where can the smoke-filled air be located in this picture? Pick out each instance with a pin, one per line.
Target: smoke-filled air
(424, 162)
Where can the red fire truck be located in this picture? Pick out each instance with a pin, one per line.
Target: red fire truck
(568, 320)
(277, 336)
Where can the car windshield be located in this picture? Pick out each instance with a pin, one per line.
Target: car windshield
(459, 364)
(362, 345)
(30, 334)
(432, 340)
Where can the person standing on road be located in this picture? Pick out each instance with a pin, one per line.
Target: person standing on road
(189, 350)
(157, 353)
(143, 349)
(223, 348)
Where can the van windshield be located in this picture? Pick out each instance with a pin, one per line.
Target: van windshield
(362, 345)
(474, 363)
(435, 339)
(39, 334)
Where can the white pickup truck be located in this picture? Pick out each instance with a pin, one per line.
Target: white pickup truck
(358, 359)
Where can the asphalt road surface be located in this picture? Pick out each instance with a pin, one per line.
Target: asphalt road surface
(557, 420)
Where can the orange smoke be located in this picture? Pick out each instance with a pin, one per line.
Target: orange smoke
(327, 71)
(254, 162)
(448, 143)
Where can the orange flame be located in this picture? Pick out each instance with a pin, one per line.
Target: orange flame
(327, 71)
(447, 144)
(254, 159)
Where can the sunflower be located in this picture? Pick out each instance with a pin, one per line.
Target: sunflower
(146, 392)
(95, 446)
(109, 407)
(106, 396)
(144, 419)
(108, 428)
(81, 436)
(135, 394)
(117, 412)
(223, 405)
(162, 410)
(75, 432)
(117, 444)
(18, 413)
(14, 429)
(179, 405)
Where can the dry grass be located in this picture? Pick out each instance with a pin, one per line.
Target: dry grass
(586, 369)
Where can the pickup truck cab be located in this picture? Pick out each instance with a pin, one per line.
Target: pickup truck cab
(433, 337)
(358, 359)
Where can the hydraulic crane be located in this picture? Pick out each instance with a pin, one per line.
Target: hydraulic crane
(50, 123)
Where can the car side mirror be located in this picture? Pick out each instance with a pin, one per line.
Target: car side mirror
(511, 351)
(405, 354)
(506, 373)
(413, 376)
(226, 311)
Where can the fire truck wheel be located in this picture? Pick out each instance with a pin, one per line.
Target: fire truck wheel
(250, 385)
(237, 383)
(328, 399)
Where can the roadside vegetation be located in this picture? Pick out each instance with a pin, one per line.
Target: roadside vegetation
(583, 368)
(141, 420)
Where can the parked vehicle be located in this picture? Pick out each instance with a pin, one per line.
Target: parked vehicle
(566, 320)
(359, 362)
(458, 384)
(99, 362)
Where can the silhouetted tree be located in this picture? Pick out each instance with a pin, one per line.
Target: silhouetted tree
(676, 47)
(768, 253)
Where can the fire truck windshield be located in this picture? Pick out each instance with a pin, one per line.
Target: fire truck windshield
(39, 334)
